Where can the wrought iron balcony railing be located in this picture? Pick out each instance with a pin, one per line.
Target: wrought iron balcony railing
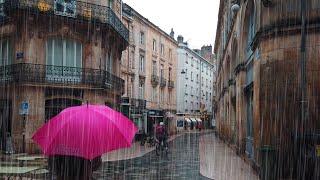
(138, 106)
(170, 84)
(163, 82)
(49, 74)
(80, 11)
(154, 79)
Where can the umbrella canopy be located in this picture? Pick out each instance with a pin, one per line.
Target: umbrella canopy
(85, 131)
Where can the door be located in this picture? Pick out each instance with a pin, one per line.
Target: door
(5, 122)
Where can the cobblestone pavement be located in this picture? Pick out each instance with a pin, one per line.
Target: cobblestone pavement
(182, 162)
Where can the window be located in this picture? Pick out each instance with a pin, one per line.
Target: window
(187, 58)
(109, 63)
(141, 38)
(186, 73)
(141, 64)
(191, 76)
(206, 82)
(191, 91)
(197, 64)
(197, 92)
(2, 13)
(210, 85)
(6, 52)
(186, 90)
(210, 98)
(206, 95)
(154, 45)
(153, 92)
(191, 106)
(202, 81)
(161, 96)
(169, 97)
(186, 106)
(111, 4)
(65, 8)
(141, 91)
(162, 49)
(197, 78)
(161, 71)
(191, 61)
(65, 53)
(154, 68)
(170, 69)
(170, 54)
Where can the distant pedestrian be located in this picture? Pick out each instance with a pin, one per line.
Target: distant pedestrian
(200, 126)
(73, 168)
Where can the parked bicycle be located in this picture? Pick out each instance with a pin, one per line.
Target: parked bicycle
(150, 140)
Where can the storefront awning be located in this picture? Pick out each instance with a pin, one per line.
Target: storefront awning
(193, 120)
(187, 119)
(199, 120)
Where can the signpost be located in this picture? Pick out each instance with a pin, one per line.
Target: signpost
(23, 111)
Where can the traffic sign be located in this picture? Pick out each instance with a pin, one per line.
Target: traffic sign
(24, 108)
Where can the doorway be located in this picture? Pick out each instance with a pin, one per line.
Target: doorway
(5, 122)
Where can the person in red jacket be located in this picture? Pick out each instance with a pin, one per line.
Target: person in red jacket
(200, 126)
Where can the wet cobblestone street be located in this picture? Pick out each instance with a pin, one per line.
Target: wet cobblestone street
(182, 162)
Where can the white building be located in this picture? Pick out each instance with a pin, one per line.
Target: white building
(195, 87)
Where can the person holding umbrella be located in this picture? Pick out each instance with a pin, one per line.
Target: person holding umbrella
(75, 139)
(73, 168)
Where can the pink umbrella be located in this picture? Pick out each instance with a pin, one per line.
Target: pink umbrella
(85, 131)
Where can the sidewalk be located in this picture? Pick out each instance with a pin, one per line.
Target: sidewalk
(219, 162)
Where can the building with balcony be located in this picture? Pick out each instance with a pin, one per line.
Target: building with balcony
(268, 79)
(194, 87)
(56, 54)
(149, 70)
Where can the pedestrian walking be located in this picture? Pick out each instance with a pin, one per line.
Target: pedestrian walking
(73, 168)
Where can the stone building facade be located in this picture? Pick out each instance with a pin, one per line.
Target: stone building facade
(260, 47)
(195, 87)
(149, 70)
(56, 54)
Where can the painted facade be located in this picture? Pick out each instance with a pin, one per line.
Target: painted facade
(53, 56)
(259, 47)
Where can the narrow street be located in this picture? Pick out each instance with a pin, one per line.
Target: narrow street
(183, 162)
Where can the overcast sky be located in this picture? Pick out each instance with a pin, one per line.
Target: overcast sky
(196, 21)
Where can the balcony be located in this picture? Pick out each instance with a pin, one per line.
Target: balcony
(77, 10)
(60, 75)
(138, 106)
(170, 84)
(154, 80)
(163, 82)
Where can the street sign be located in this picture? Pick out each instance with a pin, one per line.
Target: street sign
(24, 108)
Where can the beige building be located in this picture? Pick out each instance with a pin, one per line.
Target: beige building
(268, 82)
(56, 54)
(149, 69)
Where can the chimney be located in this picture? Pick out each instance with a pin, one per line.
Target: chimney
(180, 39)
(172, 33)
